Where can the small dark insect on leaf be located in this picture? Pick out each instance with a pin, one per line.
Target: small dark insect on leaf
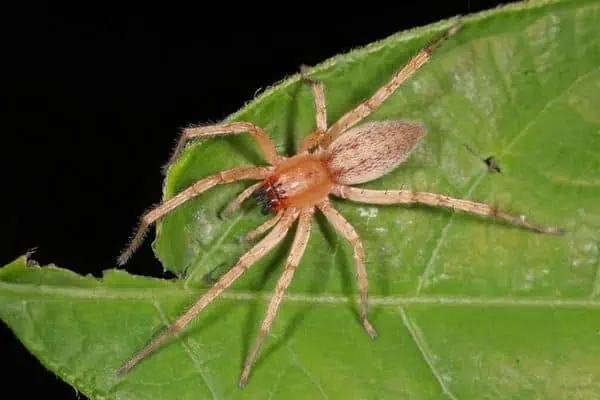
(490, 161)
(492, 165)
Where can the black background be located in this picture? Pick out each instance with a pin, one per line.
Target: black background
(94, 99)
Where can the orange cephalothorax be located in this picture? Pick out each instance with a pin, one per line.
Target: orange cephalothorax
(299, 181)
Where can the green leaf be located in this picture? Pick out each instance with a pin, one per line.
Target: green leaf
(465, 307)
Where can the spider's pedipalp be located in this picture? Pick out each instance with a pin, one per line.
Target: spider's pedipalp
(228, 176)
(348, 231)
(245, 261)
(370, 196)
(294, 257)
(371, 150)
(265, 143)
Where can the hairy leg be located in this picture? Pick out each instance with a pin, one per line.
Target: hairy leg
(320, 103)
(239, 200)
(348, 231)
(368, 106)
(264, 227)
(437, 200)
(313, 140)
(196, 189)
(296, 252)
(245, 261)
(265, 143)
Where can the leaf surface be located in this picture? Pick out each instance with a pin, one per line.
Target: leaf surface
(465, 307)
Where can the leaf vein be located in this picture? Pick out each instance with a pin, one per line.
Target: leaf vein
(596, 285)
(549, 104)
(441, 240)
(302, 368)
(197, 364)
(217, 244)
(59, 293)
(425, 352)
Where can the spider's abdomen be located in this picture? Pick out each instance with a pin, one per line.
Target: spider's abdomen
(371, 150)
(299, 181)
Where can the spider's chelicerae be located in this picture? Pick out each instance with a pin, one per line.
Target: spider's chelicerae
(330, 161)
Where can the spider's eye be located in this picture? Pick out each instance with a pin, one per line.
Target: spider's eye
(266, 208)
(260, 195)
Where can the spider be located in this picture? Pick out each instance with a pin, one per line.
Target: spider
(329, 162)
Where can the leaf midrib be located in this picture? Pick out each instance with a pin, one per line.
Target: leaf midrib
(50, 293)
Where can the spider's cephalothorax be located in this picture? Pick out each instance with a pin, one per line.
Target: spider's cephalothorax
(299, 181)
(329, 162)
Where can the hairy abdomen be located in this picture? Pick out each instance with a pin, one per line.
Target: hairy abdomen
(371, 150)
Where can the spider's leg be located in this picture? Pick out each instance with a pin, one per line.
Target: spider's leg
(197, 188)
(437, 200)
(320, 103)
(239, 200)
(265, 143)
(244, 262)
(364, 109)
(348, 231)
(296, 252)
(264, 227)
(314, 139)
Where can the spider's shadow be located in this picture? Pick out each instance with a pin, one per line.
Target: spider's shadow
(280, 255)
(317, 285)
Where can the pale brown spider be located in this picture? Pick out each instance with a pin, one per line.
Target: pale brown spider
(330, 160)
